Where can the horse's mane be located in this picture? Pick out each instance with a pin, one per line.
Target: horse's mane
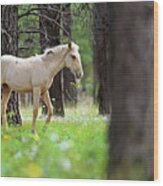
(55, 49)
(60, 48)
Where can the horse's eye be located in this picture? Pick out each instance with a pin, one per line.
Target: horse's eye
(73, 57)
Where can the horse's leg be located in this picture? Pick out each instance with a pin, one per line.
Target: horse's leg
(46, 99)
(36, 97)
(5, 97)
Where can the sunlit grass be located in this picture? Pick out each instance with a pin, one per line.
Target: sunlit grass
(72, 147)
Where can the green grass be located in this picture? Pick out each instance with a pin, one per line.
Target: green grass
(72, 147)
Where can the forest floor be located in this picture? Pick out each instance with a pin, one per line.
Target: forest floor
(73, 147)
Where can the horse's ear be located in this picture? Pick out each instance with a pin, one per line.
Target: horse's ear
(48, 52)
(70, 45)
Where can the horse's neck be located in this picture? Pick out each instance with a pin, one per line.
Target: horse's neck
(56, 64)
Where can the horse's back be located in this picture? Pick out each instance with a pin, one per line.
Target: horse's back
(5, 60)
(17, 72)
(6, 65)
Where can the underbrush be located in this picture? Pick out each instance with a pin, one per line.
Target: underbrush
(72, 147)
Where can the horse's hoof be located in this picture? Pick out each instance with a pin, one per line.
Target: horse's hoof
(36, 137)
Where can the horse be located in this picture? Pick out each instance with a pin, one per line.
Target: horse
(35, 74)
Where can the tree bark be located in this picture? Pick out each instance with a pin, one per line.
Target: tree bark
(9, 23)
(100, 58)
(70, 91)
(131, 138)
(49, 37)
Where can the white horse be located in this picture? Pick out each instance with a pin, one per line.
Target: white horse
(35, 74)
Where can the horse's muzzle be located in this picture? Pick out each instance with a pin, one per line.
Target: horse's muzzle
(79, 75)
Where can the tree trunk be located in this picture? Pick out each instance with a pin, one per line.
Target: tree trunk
(70, 91)
(131, 138)
(9, 23)
(100, 58)
(49, 38)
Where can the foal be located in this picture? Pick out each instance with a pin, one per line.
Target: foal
(35, 74)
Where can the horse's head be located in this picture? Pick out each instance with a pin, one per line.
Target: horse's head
(73, 60)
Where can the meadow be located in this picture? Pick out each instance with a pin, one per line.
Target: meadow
(73, 147)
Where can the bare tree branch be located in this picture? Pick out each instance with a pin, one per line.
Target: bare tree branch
(30, 11)
(7, 34)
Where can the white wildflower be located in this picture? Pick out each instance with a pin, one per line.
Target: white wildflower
(33, 152)
(18, 155)
(66, 164)
(65, 145)
(54, 137)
